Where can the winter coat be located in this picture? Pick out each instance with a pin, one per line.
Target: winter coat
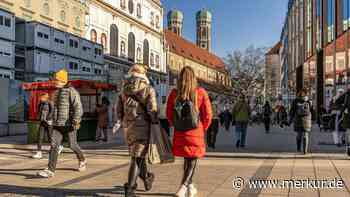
(267, 111)
(301, 123)
(45, 112)
(102, 116)
(241, 111)
(68, 108)
(136, 108)
(191, 143)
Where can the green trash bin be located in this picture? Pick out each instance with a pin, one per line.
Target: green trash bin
(87, 130)
(33, 131)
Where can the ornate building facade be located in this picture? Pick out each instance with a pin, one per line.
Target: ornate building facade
(203, 19)
(130, 31)
(273, 73)
(65, 15)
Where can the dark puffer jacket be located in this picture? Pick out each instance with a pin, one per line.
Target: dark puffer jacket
(68, 108)
(301, 123)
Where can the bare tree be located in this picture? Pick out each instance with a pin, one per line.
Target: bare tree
(247, 70)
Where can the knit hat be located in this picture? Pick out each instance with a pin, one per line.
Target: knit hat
(61, 75)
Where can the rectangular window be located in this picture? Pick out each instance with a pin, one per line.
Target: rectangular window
(46, 36)
(57, 40)
(7, 22)
(7, 54)
(345, 14)
(71, 65)
(71, 43)
(330, 19)
(61, 42)
(40, 35)
(1, 20)
(76, 44)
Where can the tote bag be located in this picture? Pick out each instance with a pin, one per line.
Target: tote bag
(160, 148)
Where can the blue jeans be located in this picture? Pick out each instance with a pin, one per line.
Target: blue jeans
(241, 133)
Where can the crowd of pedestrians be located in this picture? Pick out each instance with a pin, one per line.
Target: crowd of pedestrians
(189, 111)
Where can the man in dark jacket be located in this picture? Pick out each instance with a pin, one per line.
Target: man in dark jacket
(267, 112)
(301, 116)
(45, 117)
(67, 113)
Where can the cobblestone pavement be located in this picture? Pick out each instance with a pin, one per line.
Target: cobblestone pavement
(267, 157)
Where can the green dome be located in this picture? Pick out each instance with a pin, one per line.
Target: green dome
(203, 15)
(175, 14)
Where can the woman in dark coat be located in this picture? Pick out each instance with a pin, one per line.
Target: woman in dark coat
(267, 110)
(301, 116)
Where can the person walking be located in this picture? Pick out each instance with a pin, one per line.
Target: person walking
(189, 111)
(45, 117)
(267, 111)
(162, 116)
(345, 100)
(136, 110)
(67, 114)
(102, 120)
(241, 112)
(301, 116)
(336, 111)
(214, 126)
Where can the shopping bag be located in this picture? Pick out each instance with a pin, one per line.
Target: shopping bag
(160, 148)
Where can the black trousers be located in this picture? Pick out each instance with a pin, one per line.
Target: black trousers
(212, 133)
(303, 141)
(164, 123)
(190, 165)
(138, 168)
(267, 122)
(44, 128)
(56, 141)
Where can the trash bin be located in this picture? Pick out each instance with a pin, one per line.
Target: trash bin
(33, 131)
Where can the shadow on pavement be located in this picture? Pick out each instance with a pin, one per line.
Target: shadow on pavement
(54, 192)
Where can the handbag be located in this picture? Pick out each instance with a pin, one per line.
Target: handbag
(159, 148)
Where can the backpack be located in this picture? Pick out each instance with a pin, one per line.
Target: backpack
(303, 109)
(186, 116)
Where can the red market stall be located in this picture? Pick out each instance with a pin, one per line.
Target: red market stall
(90, 93)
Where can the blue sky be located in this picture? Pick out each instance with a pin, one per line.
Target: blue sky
(237, 24)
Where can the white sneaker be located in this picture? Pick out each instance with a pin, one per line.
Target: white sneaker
(60, 149)
(38, 155)
(182, 191)
(82, 166)
(46, 173)
(192, 191)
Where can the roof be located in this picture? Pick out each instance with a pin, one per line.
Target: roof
(204, 14)
(175, 14)
(185, 48)
(275, 49)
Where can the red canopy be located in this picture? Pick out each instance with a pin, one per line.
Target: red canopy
(37, 88)
(49, 85)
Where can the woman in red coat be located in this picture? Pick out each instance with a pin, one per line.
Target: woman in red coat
(190, 143)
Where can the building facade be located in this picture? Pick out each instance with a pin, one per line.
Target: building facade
(210, 69)
(65, 15)
(47, 49)
(273, 72)
(316, 38)
(131, 31)
(7, 44)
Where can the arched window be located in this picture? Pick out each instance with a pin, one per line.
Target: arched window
(139, 55)
(204, 32)
(138, 10)
(104, 41)
(122, 48)
(77, 22)
(131, 6)
(93, 35)
(146, 52)
(113, 40)
(131, 47)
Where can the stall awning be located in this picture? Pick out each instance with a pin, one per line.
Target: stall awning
(86, 84)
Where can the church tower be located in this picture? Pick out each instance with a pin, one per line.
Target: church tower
(203, 19)
(175, 19)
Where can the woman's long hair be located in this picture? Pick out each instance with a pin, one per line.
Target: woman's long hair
(187, 85)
